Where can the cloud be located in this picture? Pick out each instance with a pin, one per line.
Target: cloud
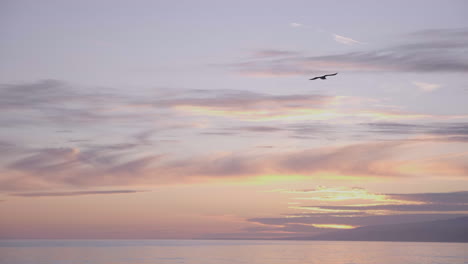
(373, 61)
(352, 207)
(134, 159)
(250, 106)
(356, 220)
(309, 129)
(7, 147)
(235, 100)
(268, 53)
(41, 93)
(294, 24)
(345, 40)
(72, 193)
(377, 159)
(438, 52)
(46, 168)
(260, 129)
(399, 208)
(53, 101)
(247, 105)
(450, 131)
(441, 33)
(113, 166)
(456, 198)
(426, 87)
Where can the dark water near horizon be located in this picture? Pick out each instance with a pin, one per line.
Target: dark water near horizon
(228, 252)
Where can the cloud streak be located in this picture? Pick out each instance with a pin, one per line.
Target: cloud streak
(356, 220)
(67, 167)
(456, 131)
(426, 87)
(345, 40)
(72, 193)
(137, 160)
(437, 51)
(369, 209)
(294, 24)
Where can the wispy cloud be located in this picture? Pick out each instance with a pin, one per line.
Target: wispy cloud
(356, 220)
(364, 201)
(295, 24)
(345, 40)
(364, 208)
(426, 87)
(401, 208)
(268, 53)
(66, 168)
(447, 130)
(61, 103)
(53, 101)
(441, 33)
(338, 38)
(442, 51)
(133, 159)
(72, 193)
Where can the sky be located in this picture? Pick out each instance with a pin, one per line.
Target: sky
(197, 119)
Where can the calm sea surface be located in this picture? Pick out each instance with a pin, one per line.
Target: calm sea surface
(227, 252)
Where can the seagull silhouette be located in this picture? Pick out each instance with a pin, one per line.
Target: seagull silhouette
(323, 77)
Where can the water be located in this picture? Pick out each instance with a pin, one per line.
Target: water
(227, 252)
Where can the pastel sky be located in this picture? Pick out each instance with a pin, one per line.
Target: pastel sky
(197, 119)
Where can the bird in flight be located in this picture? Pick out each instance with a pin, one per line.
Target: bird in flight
(323, 77)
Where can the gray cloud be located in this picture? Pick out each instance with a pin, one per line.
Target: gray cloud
(441, 50)
(433, 206)
(46, 160)
(101, 164)
(57, 102)
(72, 193)
(304, 130)
(6, 146)
(451, 131)
(401, 207)
(273, 53)
(45, 94)
(441, 33)
(436, 198)
(105, 164)
(356, 220)
(41, 93)
(51, 101)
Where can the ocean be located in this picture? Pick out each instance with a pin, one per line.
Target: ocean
(228, 252)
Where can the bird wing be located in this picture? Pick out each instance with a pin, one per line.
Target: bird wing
(315, 78)
(331, 74)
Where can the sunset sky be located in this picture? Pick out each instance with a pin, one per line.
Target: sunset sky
(197, 119)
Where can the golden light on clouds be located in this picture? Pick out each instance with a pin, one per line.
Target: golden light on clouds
(330, 112)
(319, 210)
(357, 197)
